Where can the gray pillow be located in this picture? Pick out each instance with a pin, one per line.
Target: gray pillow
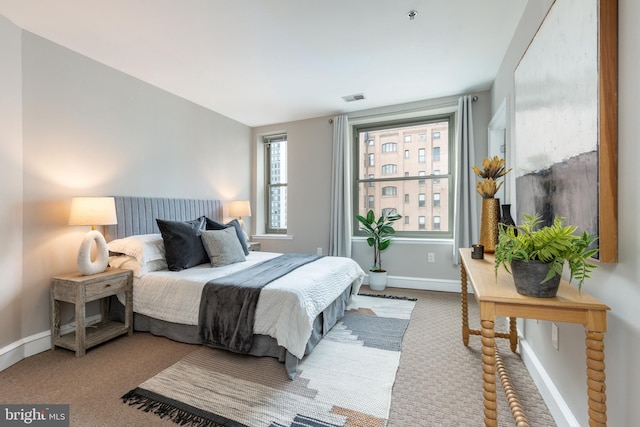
(214, 225)
(222, 246)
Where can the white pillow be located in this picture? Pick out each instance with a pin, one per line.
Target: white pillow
(127, 262)
(222, 246)
(143, 247)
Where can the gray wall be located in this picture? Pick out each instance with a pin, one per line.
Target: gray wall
(308, 187)
(91, 130)
(11, 297)
(617, 285)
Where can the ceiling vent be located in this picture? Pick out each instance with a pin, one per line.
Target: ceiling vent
(351, 98)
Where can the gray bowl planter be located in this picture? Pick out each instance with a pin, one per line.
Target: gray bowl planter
(528, 278)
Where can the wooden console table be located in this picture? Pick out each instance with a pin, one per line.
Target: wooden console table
(499, 298)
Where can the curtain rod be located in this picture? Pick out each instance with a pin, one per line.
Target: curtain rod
(413, 110)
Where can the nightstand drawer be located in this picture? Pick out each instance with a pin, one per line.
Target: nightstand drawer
(106, 288)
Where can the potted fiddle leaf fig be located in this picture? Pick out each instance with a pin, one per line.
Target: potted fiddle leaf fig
(537, 255)
(378, 233)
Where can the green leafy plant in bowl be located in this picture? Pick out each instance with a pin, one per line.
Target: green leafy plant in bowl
(555, 244)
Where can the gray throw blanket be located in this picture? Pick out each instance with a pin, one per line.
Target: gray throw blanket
(228, 304)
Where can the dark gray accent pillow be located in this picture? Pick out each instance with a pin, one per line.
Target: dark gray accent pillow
(214, 225)
(182, 243)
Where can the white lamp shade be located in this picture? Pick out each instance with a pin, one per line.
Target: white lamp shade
(240, 208)
(93, 211)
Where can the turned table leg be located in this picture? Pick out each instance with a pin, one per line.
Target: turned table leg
(465, 306)
(513, 334)
(489, 373)
(596, 392)
(510, 392)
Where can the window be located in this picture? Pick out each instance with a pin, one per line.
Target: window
(421, 181)
(389, 191)
(389, 147)
(406, 181)
(435, 135)
(276, 182)
(421, 155)
(436, 223)
(389, 211)
(371, 142)
(371, 159)
(389, 169)
(407, 138)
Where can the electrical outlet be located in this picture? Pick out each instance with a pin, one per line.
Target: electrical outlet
(431, 257)
(554, 336)
(319, 251)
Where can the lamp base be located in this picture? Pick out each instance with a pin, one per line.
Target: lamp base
(85, 265)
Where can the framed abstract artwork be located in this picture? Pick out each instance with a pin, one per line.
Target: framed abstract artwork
(566, 121)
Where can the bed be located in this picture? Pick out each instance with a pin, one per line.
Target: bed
(293, 311)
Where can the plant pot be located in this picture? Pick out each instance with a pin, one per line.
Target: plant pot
(377, 280)
(527, 276)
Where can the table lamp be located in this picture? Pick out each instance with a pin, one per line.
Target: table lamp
(240, 208)
(93, 211)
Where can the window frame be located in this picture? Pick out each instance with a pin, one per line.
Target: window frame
(267, 140)
(389, 191)
(365, 126)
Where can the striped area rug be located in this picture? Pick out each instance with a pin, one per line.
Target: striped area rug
(346, 381)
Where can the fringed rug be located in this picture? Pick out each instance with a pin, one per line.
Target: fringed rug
(346, 381)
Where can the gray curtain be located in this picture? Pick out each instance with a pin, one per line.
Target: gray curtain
(340, 225)
(466, 208)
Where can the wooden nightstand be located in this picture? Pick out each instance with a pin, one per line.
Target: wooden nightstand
(254, 246)
(79, 290)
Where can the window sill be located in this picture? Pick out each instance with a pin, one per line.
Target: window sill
(272, 236)
(412, 240)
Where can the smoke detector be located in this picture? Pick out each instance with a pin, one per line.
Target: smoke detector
(412, 15)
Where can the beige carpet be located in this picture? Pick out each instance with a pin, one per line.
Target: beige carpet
(439, 380)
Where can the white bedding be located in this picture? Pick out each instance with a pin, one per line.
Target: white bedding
(286, 308)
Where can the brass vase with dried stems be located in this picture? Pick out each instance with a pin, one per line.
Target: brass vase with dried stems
(492, 170)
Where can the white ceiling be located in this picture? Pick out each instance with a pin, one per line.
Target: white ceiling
(271, 61)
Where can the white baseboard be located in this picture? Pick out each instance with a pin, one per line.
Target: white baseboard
(559, 409)
(34, 344)
(422, 284)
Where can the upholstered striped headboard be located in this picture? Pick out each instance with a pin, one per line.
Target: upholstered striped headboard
(137, 215)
